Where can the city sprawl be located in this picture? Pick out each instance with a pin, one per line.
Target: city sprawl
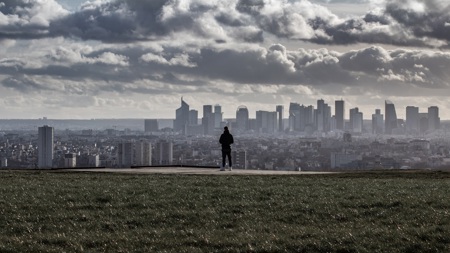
(306, 138)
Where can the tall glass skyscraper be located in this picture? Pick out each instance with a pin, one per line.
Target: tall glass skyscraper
(181, 117)
(280, 110)
(217, 116)
(339, 114)
(390, 122)
(208, 120)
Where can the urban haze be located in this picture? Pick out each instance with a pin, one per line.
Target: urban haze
(296, 138)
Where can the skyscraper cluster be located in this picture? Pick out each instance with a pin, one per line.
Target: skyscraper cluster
(309, 119)
(187, 122)
(417, 122)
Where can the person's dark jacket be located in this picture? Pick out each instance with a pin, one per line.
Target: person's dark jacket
(226, 139)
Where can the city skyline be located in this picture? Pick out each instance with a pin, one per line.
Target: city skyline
(230, 113)
(306, 119)
(134, 59)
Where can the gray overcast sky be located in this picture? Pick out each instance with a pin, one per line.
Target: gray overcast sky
(136, 58)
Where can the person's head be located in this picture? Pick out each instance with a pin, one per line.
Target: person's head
(225, 129)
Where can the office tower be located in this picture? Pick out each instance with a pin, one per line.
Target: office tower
(45, 147)
(151, 125)
(217, 116)
(125, 154)
(208, 120)
(323, 116)
(266, 122)
(377, 122)
(181, 118)
(358, 123)
(320, 115)
(390, 122)
(242, 118)
(333, 123)
(412, 119)
(193, 117)
(339, 108)
(163, 154)
(272, 123)
(327, 117)
(434, 121)
(308, 116)
(294, 117)
(239, 159)
(423, 122)
(356, 120)
(300, 117)
(352, 115)
(207, 110)
(143, 153)
(280, 110)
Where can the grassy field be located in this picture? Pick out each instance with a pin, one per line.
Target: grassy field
(89, 212)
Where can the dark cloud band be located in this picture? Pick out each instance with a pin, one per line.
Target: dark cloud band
(405, 22)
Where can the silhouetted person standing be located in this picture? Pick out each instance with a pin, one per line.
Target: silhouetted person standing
(226, 139)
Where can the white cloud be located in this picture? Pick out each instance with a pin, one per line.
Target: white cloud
(111, 58)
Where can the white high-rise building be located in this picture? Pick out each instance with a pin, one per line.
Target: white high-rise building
(45, 147)
(143, 151)
(70, 160)
(125, 154)
(163, 153)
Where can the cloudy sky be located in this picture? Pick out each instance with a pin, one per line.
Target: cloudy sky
(136, 58)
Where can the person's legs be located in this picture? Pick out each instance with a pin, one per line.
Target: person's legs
(224, 154)
(229, 159)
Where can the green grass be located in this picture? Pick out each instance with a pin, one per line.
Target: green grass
(89, 212)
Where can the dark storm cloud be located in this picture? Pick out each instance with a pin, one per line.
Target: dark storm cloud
(141, 70)
(28, 19)
(427, 19)
(117, 21)
(24, 84)
(405, 22)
